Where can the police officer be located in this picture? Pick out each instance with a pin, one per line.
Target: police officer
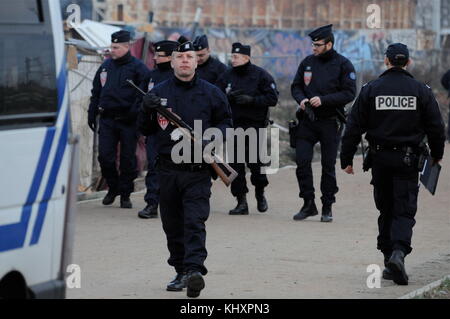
(209, 68)
(445, 81)
(251, 90)
(162, 72)
(397, 112)
(326, 80)
(185, 188)
(117, 103)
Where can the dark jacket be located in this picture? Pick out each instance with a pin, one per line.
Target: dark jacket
(330, 77)
(194, 100)
(112, 92)
(160, 73)
(256, 82)
(394, 110)
(211, 70)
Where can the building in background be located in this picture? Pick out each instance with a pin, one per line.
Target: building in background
(275, 14)
(278, 31)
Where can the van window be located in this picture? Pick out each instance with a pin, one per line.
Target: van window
(21, 11)
(28, 93)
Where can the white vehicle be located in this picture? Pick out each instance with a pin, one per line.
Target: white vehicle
(38, 155)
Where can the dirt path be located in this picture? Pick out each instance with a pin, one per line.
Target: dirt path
(264, 255)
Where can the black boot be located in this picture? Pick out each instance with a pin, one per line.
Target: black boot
(125, 202)
(178, 283)
(194, 283)
(387, 272)
(261, 200)
(397, 265)
(110, 197)
(150, 211)
(327, 215)
(242, 206)
(309, 209)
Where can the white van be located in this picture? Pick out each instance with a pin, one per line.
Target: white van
(38, 155)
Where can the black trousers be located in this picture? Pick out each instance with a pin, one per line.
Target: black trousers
(111, 132)
(326, 132)
(258, 179)
(151, 179)
(184, 205)
(395, 192)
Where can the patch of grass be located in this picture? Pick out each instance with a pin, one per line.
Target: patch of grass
(440, 292)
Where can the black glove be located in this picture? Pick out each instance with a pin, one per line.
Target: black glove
(150, 102)
(232, 95)
(92, 120)
(244, 99)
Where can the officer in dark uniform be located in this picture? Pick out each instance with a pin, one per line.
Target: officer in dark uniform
(251, 90)
(209, 68)
(185, 188)
(117, 103)
(326, 80)
(162, 72)
(396, 112)
(445, 81)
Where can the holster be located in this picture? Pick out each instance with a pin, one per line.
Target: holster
(293, 126)
(368, 159)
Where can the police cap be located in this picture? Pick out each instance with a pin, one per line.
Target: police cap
(120, 36)
(200, 43)
(184, 47)
(238, 47)
(321, 33)
(166, 46)
(182, 39)
(397, 52)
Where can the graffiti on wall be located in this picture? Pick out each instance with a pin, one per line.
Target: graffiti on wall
(282, 50)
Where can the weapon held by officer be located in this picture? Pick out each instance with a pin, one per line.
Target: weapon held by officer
(226, 173)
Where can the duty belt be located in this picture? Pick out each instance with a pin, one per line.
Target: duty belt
(406, 149)
(112, 113)
(165, 162)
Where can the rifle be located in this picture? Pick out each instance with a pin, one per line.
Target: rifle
(226, 173)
